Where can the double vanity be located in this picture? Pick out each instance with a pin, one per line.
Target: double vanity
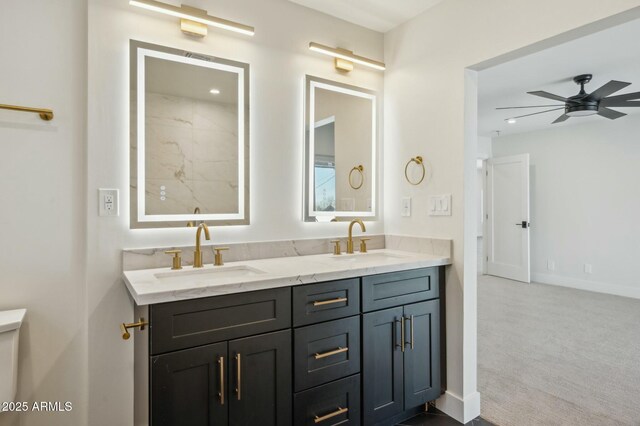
(305, 337)
(324, 339)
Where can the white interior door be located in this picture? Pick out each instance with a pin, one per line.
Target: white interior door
(508, 217)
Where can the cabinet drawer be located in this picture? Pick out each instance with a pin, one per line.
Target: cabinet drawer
(326, 352)
(190, 323)
(399, 288)
(336, 403)
(325, 301)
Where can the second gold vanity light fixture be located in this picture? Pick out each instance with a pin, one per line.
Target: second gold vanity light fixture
(193, 21)
(344, 59)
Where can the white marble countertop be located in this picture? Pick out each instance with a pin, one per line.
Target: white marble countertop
(161, 285)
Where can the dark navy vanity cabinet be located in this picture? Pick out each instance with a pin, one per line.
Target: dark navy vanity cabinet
(359, 351)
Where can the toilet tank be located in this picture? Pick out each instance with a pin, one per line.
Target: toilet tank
(10, 322)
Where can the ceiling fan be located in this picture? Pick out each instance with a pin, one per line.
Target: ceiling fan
(584, 104)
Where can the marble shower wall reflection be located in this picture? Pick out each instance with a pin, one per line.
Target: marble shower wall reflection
(191, 155)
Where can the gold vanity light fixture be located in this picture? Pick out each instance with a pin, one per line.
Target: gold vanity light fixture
(193, 21)
(344, 59)
(44, 113)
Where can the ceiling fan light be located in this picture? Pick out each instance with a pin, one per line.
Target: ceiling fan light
(582, 110)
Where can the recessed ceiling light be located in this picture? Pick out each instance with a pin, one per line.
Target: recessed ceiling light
(511, 120)
(214, 91)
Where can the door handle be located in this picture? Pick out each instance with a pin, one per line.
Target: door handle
(221, 394)
(524, 224)
(239, 377)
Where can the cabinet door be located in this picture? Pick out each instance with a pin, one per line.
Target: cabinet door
(260, 377)
(422, 353)
(186, 386)
(382, 365)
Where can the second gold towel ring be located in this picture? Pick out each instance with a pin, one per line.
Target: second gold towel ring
(359, 169)
(418, 160)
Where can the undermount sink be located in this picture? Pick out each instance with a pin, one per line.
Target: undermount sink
(205, 275)
(367, 257)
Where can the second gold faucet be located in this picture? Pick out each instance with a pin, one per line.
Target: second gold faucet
(197, 254)
(350, 239)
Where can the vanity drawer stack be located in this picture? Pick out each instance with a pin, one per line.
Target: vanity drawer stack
(359, 351)
(327, 353)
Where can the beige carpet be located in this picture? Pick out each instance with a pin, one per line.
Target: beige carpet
(557, 356)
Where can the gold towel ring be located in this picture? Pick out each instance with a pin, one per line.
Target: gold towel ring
(359, 169)
(418, 160)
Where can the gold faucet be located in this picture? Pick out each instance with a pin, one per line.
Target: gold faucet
(350, 239)
(197, 255)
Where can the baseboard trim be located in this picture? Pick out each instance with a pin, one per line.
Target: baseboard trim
(598, 287)
(463, 410)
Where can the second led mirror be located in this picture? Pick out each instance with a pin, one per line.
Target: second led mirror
(340, 151)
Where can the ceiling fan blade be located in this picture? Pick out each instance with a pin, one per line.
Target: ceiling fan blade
(540, 112)
(606, 90)
(531, 106)
(625, 97)
(563, 117)
(548, 95)
(620, 104)
(610, 114)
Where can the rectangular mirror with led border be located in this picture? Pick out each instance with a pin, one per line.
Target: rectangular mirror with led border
(189, 157)
(341, 179)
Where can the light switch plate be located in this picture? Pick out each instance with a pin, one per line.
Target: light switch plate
(440, 205)
(108, 202)
(406, 207)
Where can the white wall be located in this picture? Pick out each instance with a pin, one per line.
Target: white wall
(585, 201)
(279, 58)
(428, 113)
(42, 220)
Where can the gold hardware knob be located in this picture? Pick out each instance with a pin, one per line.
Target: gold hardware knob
(124, 328)
(363, 244)
(336, 248)
(177, 260)
(218, 256)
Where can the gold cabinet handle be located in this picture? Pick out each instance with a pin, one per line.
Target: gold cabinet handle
(330, 353)
(402, 333)
(339, 411)
(221, 393)
(124, 328)
(239, 377)
(411, 332)
(330, 301)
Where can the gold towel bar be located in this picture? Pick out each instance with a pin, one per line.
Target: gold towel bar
(45, 114)
(124, 328)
